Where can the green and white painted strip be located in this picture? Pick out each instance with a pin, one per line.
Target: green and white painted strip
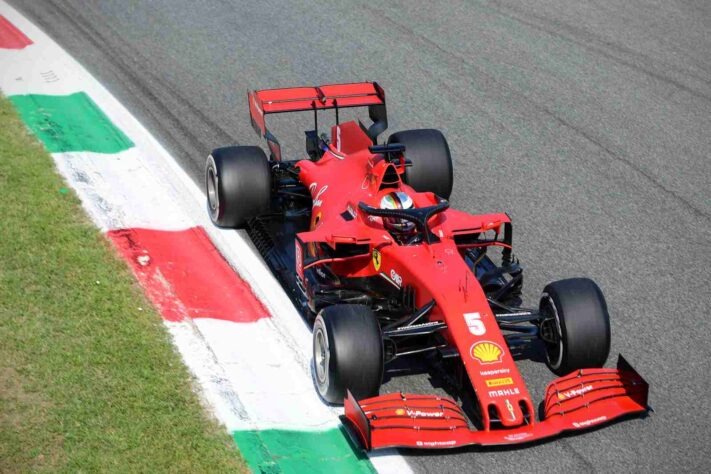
(256, 376)
(70, 123)
(300, 451)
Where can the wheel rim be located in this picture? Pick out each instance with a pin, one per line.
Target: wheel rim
(321, 357)
(553, 334)
(212, 197)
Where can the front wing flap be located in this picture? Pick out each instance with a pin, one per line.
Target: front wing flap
(580, 400)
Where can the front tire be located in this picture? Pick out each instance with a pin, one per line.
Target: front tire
(576, 325)
(238, 185)
(347, 352)
(431, 169)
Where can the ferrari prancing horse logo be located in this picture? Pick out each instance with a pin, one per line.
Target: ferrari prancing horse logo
(377, 259)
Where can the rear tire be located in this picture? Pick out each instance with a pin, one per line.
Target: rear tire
(347, 352)
(431, 169)
(580, 327)
(238, 185)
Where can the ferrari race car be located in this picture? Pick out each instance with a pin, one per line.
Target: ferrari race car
(362, 238)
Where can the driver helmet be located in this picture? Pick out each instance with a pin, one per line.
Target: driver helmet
(397, 200)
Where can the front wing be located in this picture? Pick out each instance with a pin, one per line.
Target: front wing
(580, 400)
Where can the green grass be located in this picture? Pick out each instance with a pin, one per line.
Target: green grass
(88, 381)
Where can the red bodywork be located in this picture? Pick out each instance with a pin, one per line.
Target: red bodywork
(348, 174)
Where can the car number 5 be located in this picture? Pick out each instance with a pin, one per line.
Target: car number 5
(475, 324)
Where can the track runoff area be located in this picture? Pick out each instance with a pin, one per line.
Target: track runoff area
(236, 330)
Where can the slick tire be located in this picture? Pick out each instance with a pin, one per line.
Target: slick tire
(431, 169)
(347, 353)
(238, 185)
(577, 311)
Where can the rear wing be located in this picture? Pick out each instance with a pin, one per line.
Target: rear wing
(300, 99)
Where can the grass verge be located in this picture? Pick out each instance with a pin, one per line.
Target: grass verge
(88, 381)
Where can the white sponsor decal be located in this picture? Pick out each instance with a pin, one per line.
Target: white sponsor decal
(517, 436)
(434, 444)
(425, 414)
(476, 326)
(574, 392)
(504, 392)
(397, 279)
(317, 197)
(593, 421)
(299, 258)
(485, 373)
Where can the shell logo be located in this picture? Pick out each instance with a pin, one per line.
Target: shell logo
(487, 352)
(399, 412)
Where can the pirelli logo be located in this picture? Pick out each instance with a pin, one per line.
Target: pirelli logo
(499, 382)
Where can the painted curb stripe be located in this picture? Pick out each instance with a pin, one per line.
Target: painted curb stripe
(301, 452)
(70, 123)
(11, 37)
(125, 191)
(272, 380)
(185, 276)
(256, 376)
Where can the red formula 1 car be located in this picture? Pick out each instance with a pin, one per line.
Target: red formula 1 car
(362, 238)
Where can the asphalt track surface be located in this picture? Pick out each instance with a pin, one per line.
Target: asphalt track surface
(590, 123)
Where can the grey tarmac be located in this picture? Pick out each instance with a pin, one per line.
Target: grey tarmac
(589, 122)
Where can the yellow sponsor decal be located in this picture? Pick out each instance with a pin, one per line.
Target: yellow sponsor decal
(487, 352)
(377, 259)
(499, 382)
(400, 412)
